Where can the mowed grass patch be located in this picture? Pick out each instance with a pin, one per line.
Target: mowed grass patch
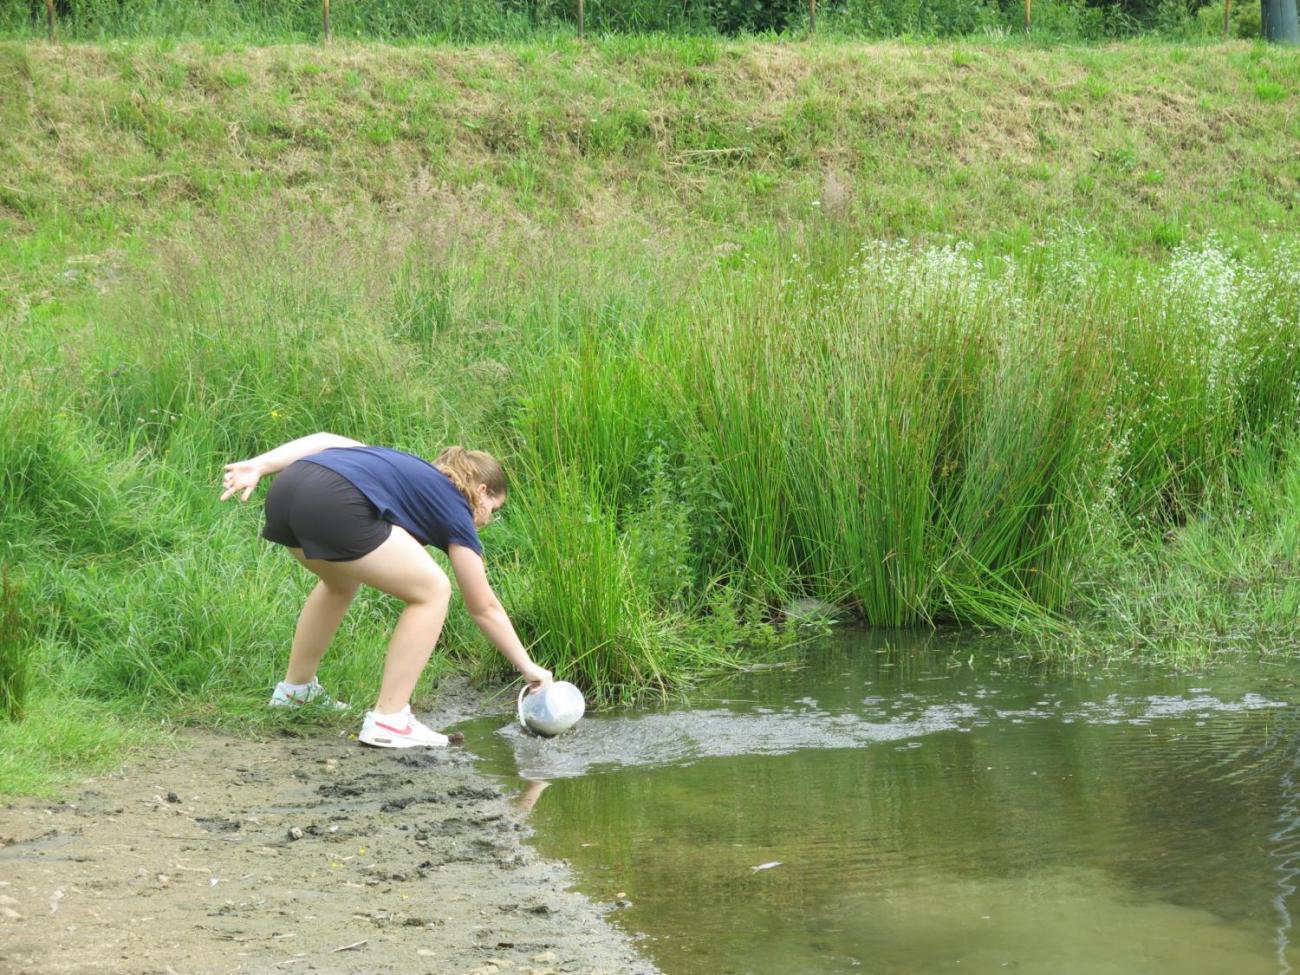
(1141, 143)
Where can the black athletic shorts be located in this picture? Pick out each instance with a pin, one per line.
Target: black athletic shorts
(312, 508)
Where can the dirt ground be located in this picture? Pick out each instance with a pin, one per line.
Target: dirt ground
(293, 855)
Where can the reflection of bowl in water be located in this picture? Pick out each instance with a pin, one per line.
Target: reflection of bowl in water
(554, 709)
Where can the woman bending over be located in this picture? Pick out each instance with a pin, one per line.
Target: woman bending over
(353, 515)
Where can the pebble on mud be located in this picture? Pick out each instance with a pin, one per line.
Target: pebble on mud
(295, 833)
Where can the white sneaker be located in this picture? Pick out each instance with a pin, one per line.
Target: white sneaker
(398, 731)
(284, 696)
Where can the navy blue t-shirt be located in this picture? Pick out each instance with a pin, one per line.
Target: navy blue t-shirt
(408, 491)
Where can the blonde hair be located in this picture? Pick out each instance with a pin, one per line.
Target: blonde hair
(467, 469)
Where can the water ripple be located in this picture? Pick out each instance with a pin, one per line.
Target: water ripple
(685, 737)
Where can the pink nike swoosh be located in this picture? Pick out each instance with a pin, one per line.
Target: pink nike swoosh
(396, 731)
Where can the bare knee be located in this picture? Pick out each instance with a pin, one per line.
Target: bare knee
(433, 589)
(335, 582)
(339, 588)
(328, 574)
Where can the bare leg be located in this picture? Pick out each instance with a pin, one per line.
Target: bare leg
(417, 631)
(318, 621)
(402, 568)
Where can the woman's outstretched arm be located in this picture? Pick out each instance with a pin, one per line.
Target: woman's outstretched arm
(243, 475)
(487, 611)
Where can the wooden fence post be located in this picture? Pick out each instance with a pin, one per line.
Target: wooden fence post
(1029, 20)
(582, 18)
(812, 16)
(325, 15)
(51, 24)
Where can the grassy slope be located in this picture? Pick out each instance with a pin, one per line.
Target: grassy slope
(1149, 145)
(116, 159)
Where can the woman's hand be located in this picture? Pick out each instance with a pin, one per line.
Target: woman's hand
(537, 677)
(244, 475)
(241, 476)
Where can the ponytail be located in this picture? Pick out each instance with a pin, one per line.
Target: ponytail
(467, 469)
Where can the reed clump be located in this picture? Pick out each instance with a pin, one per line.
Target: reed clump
(926, 438)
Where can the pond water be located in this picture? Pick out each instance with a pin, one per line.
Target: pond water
(909, 805)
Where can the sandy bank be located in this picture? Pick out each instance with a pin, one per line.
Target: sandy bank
(292, 855)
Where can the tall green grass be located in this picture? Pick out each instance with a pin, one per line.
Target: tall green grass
(708, 408)
(262, 21)
(1221, 584)
(15, 651)
(908, 431)
(273, 20)
(911, 432)
(922, 437)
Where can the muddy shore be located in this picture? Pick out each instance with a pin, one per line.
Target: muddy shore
(221, 855)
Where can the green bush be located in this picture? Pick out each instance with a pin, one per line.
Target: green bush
(464, 21)
(1246, 20)
(891, 18)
